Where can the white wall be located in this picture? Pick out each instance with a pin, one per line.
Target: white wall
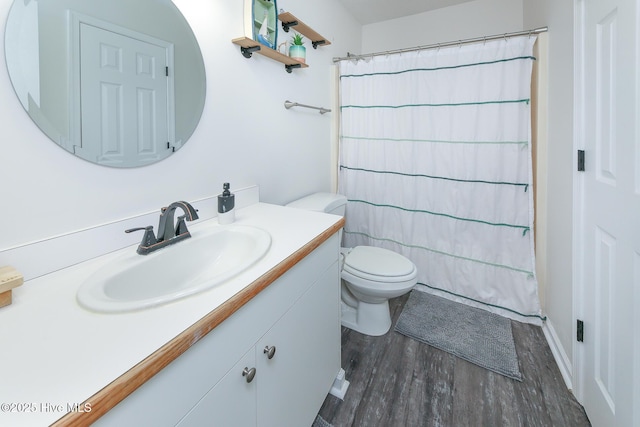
(558, 16)
(463, 21)
(245, 136)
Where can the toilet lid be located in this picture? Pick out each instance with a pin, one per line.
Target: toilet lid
(370, 260)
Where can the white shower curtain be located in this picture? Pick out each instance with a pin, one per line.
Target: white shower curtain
(435, 160)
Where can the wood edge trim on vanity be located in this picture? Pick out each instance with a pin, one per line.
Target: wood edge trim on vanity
(113, 393)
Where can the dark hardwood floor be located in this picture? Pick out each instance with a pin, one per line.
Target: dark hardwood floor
(399, 382)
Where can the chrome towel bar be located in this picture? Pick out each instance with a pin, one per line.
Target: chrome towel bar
(289, 104)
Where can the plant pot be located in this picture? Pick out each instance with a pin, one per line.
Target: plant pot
(298, 52)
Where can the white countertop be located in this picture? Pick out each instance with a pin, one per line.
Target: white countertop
(55, 354)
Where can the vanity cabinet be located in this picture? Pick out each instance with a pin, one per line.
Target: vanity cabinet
(298, 314)
(288, 388)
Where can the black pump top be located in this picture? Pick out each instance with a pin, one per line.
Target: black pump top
(225, 188)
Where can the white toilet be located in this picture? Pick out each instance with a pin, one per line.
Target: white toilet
(370, 275)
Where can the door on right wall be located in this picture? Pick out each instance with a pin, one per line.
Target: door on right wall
(609, 203)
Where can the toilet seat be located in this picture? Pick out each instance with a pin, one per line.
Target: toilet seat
(378, 265)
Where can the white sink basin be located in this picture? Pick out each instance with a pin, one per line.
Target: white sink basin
(207, 259)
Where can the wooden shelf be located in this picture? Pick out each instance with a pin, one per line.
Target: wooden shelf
(9, 278)
(290, 21)
(248, 45)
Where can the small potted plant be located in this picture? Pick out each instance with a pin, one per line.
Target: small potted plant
(297, 50)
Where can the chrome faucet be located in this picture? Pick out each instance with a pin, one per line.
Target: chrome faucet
(167, 233)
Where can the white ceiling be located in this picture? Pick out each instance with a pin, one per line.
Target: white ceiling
(370, 11)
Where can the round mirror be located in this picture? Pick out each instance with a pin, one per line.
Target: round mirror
(119, 83)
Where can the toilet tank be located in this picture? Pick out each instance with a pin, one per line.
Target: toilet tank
(322, 202)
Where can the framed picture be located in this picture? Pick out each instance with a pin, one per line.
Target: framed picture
(261, 20)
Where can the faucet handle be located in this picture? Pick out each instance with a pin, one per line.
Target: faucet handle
(131, 230)
(148, 239)
(181, 226)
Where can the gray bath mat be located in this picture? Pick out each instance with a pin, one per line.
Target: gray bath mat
(320, 422)
(475, 335)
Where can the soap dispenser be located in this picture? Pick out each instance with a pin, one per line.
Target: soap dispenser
(226, 203)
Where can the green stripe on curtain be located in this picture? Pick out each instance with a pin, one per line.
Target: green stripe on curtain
(525, 228)
(473, 181)
(543, 318)
(439, 141)
(457, 104)
(449, 67)
(435, 251)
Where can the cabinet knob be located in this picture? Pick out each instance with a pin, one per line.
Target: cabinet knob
(249, 373)
(270, 351)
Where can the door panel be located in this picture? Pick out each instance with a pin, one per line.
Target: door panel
(610, 233)
(124, 97)
(605, 256)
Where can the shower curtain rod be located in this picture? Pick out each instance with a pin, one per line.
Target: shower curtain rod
(445, 44)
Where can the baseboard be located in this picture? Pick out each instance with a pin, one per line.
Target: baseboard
(559, 354)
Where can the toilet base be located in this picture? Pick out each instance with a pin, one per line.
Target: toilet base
(368, 319)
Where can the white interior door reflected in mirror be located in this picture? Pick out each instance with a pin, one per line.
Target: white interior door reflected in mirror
(124, 93)
(127, 128)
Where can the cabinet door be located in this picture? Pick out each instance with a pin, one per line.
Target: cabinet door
(231, 402)
(293, 384)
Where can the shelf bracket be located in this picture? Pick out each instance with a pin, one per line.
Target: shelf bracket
(318, 42)
(287, 25)
(248, 51)
(290, 67)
